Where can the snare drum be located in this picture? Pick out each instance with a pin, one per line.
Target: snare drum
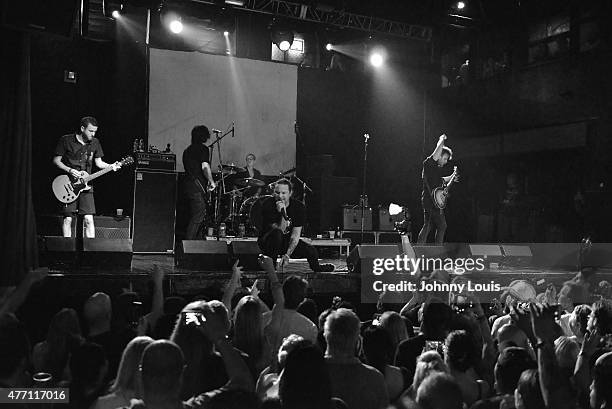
(251, 213)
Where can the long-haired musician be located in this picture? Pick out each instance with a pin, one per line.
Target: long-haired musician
(199, 180)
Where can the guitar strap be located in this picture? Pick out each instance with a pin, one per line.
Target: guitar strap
(429, 190)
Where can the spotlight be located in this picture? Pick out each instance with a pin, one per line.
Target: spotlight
(226, 33)
(460, 5)
(176, 26)
(328, 47)
(376, 59)
(112, 8)
(283, 38)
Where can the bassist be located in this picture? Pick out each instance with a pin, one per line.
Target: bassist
(75, 155)
(199, 180)
(434, 174)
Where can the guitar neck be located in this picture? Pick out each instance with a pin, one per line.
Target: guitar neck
(98, 174)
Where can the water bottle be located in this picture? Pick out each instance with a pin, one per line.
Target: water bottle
(141, 145)
(135, 147)
(241, 230)
(222, 230)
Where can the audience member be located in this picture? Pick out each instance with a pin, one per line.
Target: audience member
(359, 385)
(435, 326)
(461, 357)
(128, 383)
(53, 354)
(601, 386)
(249, 333)
(395, 326)
(88, 367)
(378, 351)
(439, 391)
(97, 312)
(308, 308)
(528, 394)
(14, 353)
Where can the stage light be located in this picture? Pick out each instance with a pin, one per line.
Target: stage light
(176, 26)
(226, 33)
(328, 47)
(377, 60)
(116, 14)
(283, 38)
(395, 209)
(460, 5)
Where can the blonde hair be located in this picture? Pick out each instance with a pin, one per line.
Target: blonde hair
(128, 374)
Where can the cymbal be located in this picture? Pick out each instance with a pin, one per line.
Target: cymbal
(231, 168)
(252, 182)
(287, 172)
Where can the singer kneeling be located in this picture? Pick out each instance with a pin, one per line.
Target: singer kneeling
(282, 221)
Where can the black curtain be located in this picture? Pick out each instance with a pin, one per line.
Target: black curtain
(17, 221)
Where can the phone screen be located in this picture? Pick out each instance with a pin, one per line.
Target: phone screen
(193, 318)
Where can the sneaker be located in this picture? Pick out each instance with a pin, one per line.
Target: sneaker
(325, 268)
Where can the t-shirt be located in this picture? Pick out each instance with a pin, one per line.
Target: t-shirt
(77, 155)
(193, 157)
(290, 322)
(296, 211)
(360, 386)
(432, 174)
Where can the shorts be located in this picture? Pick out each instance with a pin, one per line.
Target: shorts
(84, 205)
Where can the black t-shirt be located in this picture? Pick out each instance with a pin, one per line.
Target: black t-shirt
(193, 157)
(432, 173)
(243, 175)
(296, 211)
(76, 155)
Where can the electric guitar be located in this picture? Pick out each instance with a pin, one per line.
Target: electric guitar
(67, 188)
(440, 194)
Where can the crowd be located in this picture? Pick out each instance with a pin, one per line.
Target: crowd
(548, 351)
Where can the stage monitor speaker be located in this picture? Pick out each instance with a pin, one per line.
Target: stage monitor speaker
(57, 252)
(246, 252)
(516, 255)
(353, 261)
(107, 253)
(54, 16)
(388, 237)
(108, 227)
(154, 211)
(204, 255)
(555, 255)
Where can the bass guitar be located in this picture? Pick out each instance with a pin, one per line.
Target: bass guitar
(440, 194)
(68, 188)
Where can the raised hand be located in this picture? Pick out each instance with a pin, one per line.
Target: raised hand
(236, 272)
(254, 290)
(543, 322)
(157, 274)
(212, 326)
(443, 137)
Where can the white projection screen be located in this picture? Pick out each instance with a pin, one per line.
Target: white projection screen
(191, 88)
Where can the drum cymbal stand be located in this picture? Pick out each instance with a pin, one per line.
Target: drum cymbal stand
(218, 199)
(305, 188)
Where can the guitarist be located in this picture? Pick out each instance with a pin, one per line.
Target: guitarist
(75, 155)
(282, 221)
(433, 175)
(199, 181)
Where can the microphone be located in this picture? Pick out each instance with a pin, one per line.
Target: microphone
(216, 130)
(283, 211)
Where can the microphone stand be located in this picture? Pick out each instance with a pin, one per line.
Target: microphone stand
(305, 188)
(363, 188)
(218, 198)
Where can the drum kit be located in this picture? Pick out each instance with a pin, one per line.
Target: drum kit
(239, 199)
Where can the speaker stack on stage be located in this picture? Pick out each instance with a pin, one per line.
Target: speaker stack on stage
(110, 249)
(155, 187)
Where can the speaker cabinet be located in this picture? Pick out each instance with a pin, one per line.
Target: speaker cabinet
(111, 227)
(247, 252)
(365, 251)
(204, 255)
(351, 218)
(107, 253)
(57, 252)
(154, 211)
(54, 16)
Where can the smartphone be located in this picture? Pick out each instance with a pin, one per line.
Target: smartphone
(433, 346)
(193, 318)
(376, 320)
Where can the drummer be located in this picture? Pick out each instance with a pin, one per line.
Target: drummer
(251, 173)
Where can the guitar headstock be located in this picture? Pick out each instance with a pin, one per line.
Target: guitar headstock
(126, 161)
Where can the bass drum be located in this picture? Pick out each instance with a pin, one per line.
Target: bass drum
(251, 213)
